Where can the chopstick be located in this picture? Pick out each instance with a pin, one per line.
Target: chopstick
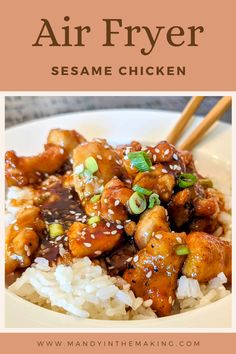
(187, 114)
(215, 113)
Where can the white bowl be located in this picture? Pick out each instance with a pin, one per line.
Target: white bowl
(213, 158)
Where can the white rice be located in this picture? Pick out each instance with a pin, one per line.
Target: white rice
(81, 289)
(190, 294)
(23, 196)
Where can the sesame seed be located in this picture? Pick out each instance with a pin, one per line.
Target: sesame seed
(16, 227)
(118, 221)
(92, 236)
(99, 157)
(147, 303)
(114, 232)
(119, 227)
(154, 157)
(110, 211)
(179, 239)
(72, 212)
(108, 224)
(87, 244)
(175, 157)
(129, 259)
(149, 274)
(164, 170)
(157, 150)
(106, 232)
(135, 259)
(105, 201)
(117, 202)
(170, 300)
(98, 253)
(109, 157)
(158, 236)
(166, 152)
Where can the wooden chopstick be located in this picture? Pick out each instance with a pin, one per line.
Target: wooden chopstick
(187, 114)
(215, 113)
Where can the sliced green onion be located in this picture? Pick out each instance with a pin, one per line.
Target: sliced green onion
(79, 169)
(88, 174)
(91, 164)
(93, 220)
(154, 200)
(186, 180)
(95, 198)
(182, 250)
(206, 182)
(137, 203)
(140, 160)
(141, 190)
(56, 230)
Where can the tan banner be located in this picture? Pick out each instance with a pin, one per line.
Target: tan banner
(123, 45)
(103, 343)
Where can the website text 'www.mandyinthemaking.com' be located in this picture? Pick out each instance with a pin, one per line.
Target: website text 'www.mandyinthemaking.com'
(117, 343)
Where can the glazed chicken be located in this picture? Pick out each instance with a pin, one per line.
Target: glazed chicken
(142, 212)
(154, 270)
(107, 166)
(92, 241)
(22, 171)
(67, 139)
(208, 257)
(151, 222)
(22, 239)
(114, 201)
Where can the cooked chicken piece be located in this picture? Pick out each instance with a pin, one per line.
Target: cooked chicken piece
(67, 139)
(164, 152)
(111, 204)
(206, 207)
(194, 208)
(179, 207)
(130, 228)
(118, 260)
(22, 239)
(158, 181)
(114, 200)
(21, 171)
(150, 222)
(154, 270)
(92, 241)
(208, 257)
(109, 165)
(123, 151)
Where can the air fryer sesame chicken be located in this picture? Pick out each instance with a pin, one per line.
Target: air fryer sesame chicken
(142, 212)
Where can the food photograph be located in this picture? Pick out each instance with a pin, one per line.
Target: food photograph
(118, 212)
